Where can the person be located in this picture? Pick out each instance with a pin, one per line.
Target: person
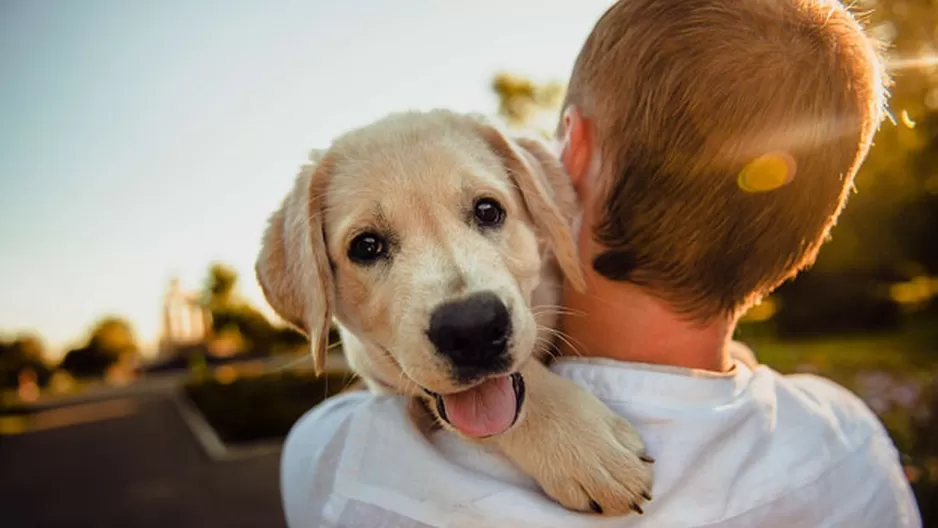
(712, 145)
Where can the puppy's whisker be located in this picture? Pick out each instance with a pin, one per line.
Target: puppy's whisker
(547, 346)
(403, 380)
(351, 378)
(305, 358)
(560, 332)
(555, 287)
(566, 338)
(557, 311)
(587, 295)
(600, 299)
(558, 306)
(550, 306)
(573, 348)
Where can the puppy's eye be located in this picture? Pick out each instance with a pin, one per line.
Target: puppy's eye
(366, 248)
(488, 213)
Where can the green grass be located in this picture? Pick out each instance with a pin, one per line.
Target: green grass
(846, 354)
(910, 352)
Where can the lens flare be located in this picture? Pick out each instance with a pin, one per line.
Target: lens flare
(913, 63)
(907, 119)
(767, 173)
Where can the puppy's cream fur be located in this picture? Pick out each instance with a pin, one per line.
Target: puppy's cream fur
(416, 176)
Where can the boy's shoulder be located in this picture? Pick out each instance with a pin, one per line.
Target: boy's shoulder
(834, 401)
(786, 447)
(819, 401)
(861, 466)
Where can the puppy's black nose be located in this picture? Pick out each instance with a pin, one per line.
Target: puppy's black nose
(472, 332)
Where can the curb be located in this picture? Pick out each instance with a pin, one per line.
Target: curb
(211, 443)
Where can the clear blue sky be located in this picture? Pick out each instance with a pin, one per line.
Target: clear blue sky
(141, 140)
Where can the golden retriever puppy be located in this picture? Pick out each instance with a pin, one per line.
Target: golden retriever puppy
(436, 243)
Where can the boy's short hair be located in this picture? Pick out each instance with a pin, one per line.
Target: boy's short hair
(685, 100)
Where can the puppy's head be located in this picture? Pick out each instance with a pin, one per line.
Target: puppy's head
(424, 235)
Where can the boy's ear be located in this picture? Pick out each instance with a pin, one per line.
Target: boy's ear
(577, 152)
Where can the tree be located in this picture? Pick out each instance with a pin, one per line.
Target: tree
(885, 234)
(231, 313)
(522, 103)
(900, 171)
(111, 341)
(220, 285)
(25, 353)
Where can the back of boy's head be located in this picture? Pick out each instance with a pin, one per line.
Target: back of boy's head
(698, 105)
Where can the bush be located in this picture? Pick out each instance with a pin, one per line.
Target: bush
(24, 355)
(262, 407)
(111, 339)
(828, 303)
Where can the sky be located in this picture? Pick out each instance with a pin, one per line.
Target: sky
(144, 140)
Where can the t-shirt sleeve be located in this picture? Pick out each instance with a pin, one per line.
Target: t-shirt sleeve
(310, 455)
(880, 494)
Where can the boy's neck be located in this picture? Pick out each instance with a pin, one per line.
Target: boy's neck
(619, 320)
(627, 324)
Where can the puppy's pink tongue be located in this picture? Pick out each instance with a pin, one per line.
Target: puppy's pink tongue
(484, 410)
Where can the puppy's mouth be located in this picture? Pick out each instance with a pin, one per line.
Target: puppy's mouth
(486, 409)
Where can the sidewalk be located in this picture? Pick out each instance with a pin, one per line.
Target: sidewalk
(139, 469)
(131, 457)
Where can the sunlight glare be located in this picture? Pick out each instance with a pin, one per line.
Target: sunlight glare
(767, 173)
(907, 120)
(916, 63)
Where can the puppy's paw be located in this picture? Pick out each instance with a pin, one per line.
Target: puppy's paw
(599, 467)
(582, 454)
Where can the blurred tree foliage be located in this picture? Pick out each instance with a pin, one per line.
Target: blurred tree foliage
(886, 234)
(24, 353)
(523, 103)
(220, 285)
(889, 230)
(112, 340)
(882, 229)
(231, 314)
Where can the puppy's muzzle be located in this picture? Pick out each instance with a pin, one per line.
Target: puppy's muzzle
(473, 333)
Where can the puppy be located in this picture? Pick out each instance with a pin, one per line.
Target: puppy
(436, 244)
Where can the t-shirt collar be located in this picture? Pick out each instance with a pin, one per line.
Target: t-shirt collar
(657, 385)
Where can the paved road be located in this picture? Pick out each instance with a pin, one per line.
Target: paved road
(140, 468)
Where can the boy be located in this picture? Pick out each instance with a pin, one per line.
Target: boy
(712, 145)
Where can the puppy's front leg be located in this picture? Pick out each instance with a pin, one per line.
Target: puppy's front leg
(581, 453)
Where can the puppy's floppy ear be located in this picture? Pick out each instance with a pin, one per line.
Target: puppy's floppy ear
(547, 191)
(293, 266)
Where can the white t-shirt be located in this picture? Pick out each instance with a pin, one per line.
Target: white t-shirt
(751, 448)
